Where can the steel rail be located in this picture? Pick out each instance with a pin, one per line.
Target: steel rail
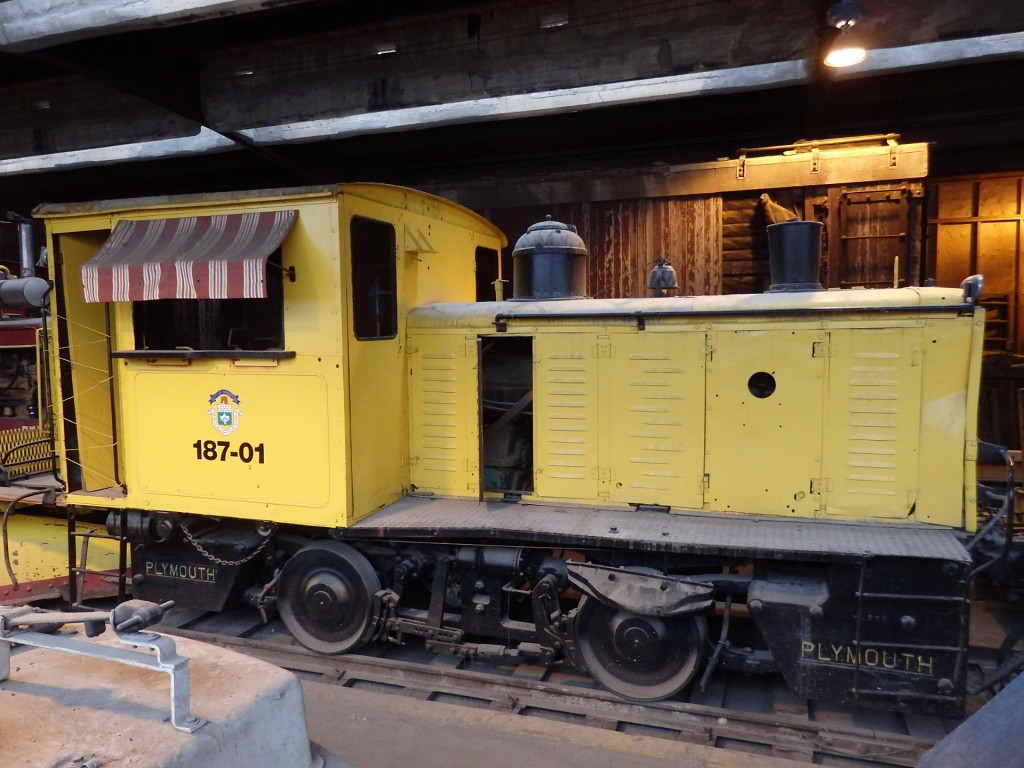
(781, 734)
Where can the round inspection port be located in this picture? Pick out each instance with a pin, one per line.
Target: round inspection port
(761, 384)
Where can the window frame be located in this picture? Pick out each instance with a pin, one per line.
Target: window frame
(370, 261)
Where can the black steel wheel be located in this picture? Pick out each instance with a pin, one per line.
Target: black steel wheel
(325, 596)
(643, 658)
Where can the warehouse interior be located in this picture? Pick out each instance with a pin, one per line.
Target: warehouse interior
(669, 135)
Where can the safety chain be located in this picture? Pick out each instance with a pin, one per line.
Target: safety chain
(220, 561)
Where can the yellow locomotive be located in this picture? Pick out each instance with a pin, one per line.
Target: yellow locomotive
(292, 398)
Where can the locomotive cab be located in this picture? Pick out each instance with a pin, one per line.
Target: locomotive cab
(246, 353)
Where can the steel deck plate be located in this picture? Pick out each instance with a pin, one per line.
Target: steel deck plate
(652, 530)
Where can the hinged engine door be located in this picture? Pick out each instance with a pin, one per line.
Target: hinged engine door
(873, 422)
(764, 420)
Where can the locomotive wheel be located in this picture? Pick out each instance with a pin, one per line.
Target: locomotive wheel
(325, 596)
(643, 658)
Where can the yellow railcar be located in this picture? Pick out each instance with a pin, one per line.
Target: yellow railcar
(293, 398)
(37, 568)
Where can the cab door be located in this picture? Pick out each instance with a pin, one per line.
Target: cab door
(376, 366)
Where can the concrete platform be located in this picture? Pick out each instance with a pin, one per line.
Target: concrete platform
(59, 709)
(379, 730)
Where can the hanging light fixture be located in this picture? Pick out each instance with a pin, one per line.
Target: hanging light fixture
(848, 47)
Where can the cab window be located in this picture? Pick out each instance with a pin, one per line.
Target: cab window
(374, 294)
(214, 324)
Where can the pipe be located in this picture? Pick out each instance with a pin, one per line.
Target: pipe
(25, 248)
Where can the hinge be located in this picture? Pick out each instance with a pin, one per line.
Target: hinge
(815, 160)
(604, 347)
(741, 166)
(709, 350)
(894, 149)
(822, 349)
(705, 483)
(820, 485)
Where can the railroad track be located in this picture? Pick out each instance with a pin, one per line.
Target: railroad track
(756, 715)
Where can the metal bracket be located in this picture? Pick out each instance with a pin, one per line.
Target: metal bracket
(164, 658)
(640, 592)
(417, 241)
(288, 272)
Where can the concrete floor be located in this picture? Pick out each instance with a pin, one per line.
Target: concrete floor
(377, 730)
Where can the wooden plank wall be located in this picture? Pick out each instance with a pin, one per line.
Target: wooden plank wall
(624, 238)
(745, 239)
(976, 226)
(718, 244)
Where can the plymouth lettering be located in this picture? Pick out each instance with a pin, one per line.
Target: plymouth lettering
(876, 658)
(186, 571)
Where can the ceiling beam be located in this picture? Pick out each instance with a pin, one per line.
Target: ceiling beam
(28, 25)
(544, 103)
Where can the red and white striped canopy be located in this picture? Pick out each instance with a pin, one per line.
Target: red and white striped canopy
(196, 257)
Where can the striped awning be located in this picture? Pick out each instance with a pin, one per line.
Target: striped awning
(196, 257)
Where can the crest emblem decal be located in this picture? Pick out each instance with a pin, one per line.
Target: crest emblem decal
(225, 412)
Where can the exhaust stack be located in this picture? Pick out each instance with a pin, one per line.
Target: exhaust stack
(25, 291)
(794, 256)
